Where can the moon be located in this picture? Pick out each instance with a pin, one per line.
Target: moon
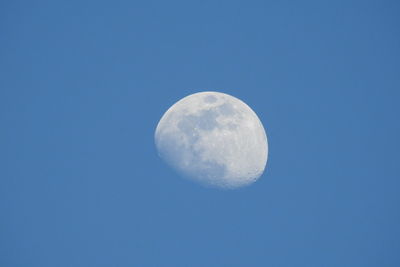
(213, 138)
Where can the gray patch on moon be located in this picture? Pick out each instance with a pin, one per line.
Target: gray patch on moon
(232, 126)
(206, 120)
(226, 109)
(210, 99)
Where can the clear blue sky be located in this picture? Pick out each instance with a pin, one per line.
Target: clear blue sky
(84, 83)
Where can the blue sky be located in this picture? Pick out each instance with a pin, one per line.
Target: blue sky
(84, 83)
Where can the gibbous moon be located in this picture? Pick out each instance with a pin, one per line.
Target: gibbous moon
(213, 138)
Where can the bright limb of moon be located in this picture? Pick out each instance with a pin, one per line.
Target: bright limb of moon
(213, 138)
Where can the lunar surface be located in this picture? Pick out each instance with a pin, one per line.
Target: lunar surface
(213, 138)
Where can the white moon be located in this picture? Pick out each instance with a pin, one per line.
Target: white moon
(213, 138)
